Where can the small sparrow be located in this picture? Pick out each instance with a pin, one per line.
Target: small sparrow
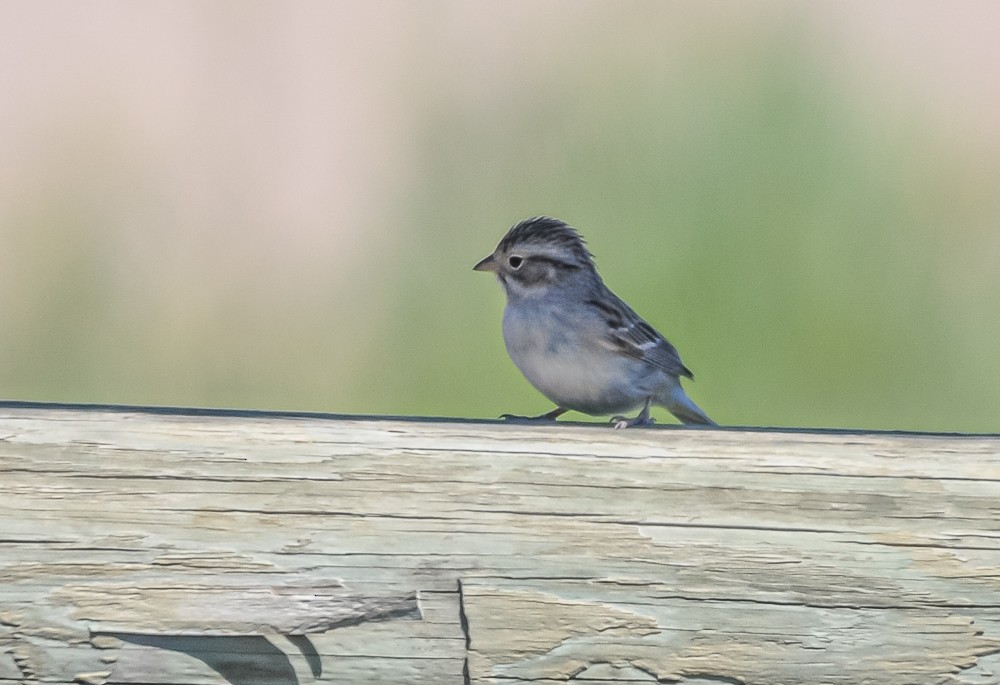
(576, 341)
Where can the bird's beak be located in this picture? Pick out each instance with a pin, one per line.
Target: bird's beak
(488, 264)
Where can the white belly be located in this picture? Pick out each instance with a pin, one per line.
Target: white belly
(572, 370)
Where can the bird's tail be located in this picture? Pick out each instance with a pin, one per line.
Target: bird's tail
(681, 406)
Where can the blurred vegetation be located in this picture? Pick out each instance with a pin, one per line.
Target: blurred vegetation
(820, 254)
(789, 239)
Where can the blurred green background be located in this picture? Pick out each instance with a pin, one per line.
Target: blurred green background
(278, 205)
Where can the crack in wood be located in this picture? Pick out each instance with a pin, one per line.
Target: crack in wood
(463, 620)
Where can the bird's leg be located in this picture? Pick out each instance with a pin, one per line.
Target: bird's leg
(643, 419)
(551, 416)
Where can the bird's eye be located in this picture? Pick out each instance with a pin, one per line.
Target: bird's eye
(515, 262)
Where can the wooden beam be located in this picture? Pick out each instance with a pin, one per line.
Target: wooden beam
(210, 547)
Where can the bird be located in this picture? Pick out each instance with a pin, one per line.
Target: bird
(575, 341)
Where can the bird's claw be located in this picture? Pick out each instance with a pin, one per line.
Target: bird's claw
(517, 418)
(625, 422)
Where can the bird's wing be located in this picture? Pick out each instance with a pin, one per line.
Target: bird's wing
(628, 334)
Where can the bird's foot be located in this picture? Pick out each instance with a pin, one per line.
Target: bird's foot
(550, 416)
(516, 418)
(621, 422)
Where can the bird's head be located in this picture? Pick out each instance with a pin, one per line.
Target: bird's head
(537, 254)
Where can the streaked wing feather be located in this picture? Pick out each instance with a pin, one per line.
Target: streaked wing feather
(631, 336)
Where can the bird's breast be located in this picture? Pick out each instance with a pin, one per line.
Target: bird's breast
(571, 368)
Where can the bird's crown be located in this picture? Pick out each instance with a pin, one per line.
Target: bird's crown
(547, 233)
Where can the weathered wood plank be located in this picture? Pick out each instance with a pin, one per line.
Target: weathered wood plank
(213, 547)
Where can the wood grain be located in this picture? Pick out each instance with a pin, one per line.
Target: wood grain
(185, 546)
